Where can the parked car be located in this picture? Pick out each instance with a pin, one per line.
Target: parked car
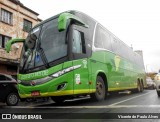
(150, 83)
(8, 90)
(157, 81)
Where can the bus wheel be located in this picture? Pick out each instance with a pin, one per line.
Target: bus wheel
(58, 99)
(138, 87)
(142, 89)
(99, 95)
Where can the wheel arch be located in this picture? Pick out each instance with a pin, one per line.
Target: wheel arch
(12, 88)
(142, 82)
(138, 80)
(104, 77)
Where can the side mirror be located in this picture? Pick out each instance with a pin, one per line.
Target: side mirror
(31, 41)
(64, 17)
(12, 41)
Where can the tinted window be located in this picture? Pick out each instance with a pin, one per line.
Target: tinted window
(102, 38)
(3, 40)
(34, 58)
(139, 60)
(122, 49)
(52, 41)
(2, 77)
(8, 78)
(27, 25)
(6, 16)
(115, 45)
(50, 46)
(130, 54)
(78, 42)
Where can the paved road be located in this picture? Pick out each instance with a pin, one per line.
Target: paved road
(119, 106)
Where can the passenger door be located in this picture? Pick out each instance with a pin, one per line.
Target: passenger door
(80, 60)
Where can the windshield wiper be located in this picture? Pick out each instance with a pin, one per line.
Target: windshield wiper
(43, 55)
(44, 59)
(25, 60)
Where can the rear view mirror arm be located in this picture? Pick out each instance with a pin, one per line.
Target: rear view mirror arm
(12, 41)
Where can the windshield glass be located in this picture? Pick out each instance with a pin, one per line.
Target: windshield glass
(53, 41)
(50, 45)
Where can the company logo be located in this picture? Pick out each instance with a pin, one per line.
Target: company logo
(33, 83)
(21, 116)
(34, 75)
(84, 63)
(6, 116)
(117, 60)
(78, 78)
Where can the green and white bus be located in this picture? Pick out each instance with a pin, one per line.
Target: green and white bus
(71, 55)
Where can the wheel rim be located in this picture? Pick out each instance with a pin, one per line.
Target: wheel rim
(100, 89)
(13, 99)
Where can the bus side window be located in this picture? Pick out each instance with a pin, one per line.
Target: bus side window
(78, 42)
(102, 39)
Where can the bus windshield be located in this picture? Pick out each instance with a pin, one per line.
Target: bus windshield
(49, 45)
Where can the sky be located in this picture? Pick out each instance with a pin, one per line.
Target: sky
(135, 22)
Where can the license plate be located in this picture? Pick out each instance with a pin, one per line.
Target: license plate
(35, 93)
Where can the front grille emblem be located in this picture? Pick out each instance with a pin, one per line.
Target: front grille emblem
(33, 83)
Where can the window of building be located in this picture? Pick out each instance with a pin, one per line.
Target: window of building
(27, 25)
(6, 16)
(3, 40)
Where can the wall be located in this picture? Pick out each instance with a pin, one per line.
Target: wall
(15, 30)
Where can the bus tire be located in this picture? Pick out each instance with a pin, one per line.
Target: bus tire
(58, 99)
(141, 85)
(100, 93)
(138, 87)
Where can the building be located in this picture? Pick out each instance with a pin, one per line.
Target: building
(15, 21)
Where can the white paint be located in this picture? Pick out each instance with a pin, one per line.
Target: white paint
(129, 99)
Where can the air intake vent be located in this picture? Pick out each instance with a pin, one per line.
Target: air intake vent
(61, 86)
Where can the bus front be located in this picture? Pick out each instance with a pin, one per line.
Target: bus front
(46, 66)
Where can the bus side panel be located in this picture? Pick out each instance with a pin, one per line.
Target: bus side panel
(98, 65)
(50, 88)
(121, 73)
(103, 62)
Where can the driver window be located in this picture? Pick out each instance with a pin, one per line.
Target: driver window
(78, 42)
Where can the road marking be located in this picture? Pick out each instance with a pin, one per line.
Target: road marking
(99, 107)
(114, 105)
(129, 99)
